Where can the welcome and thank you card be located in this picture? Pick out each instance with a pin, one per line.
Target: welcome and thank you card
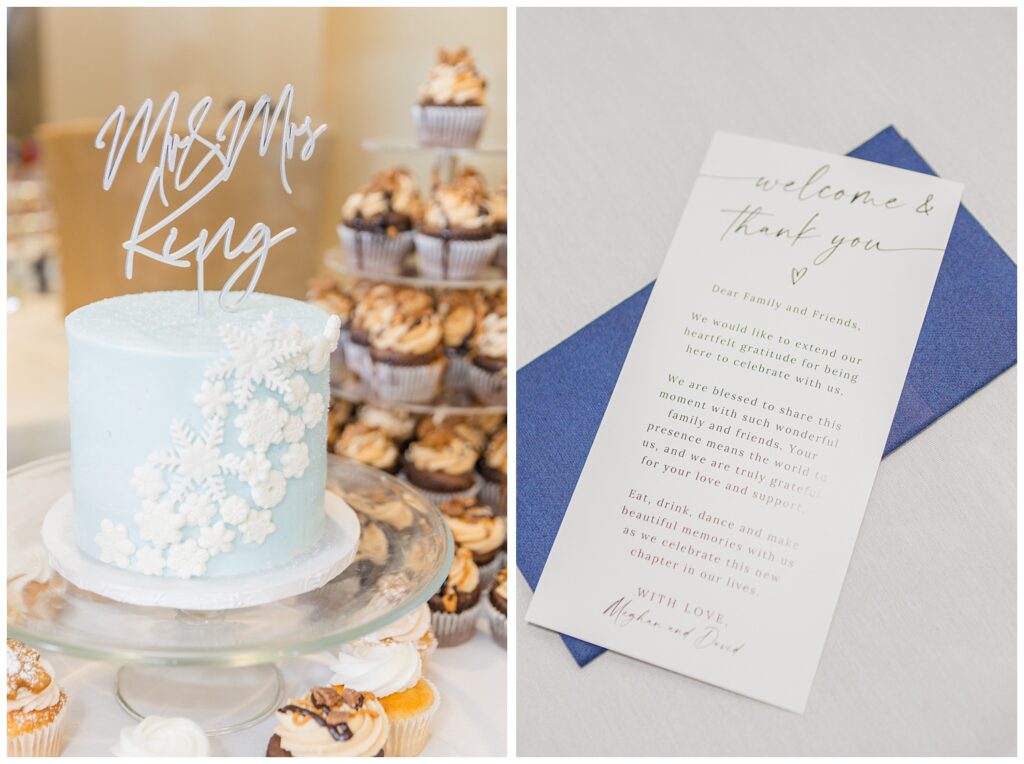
(711, 527)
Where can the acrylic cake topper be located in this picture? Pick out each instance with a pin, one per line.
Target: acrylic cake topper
(220, 155)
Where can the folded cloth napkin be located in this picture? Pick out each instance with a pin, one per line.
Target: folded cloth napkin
(968, 338)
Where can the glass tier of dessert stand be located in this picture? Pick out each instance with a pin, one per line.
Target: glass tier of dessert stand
(446, 158)
(217, 667)
(347, 385)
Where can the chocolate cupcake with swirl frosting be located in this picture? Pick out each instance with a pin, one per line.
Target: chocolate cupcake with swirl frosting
(441, 465)
(408, 363)
(476, 527)
(455, 606)
(488, 360)
(497, 608)
(450, 112)
(368, 445)
(330, 721)
(456, 238)
(377, 221)
(493, 468)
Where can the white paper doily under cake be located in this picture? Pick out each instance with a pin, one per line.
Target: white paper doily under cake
(311, 570)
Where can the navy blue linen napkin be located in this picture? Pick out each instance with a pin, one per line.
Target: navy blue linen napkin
(968, 338)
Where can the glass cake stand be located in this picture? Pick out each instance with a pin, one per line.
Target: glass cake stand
(492, 277)
(217, 667)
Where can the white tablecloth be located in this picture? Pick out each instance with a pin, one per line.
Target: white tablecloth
(615, 112)
(470, 722)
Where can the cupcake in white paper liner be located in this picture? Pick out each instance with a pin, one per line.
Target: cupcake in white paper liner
(376, 253)
(409, 384)
(456, 605)
(377, 221)
(411, 715)
(448, 126)
(446, 257)
(36, 704)
(496, 607)
(487, 386)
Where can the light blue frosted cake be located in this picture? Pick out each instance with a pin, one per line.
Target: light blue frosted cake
(198, 443)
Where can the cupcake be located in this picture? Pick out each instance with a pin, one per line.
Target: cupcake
(408, 363)
(497, 202)
(338, 415)
(441, 466)
(160, 736)
(456, 238)
(488, 360)
(373, 550)
(330, 721)
(399, 424)
(371, 309)
(493, 468)
(384, 506)
(36, 704)
(455, 606)
(458, 317)
(478, 529)
(463, 426)
(497, 608)
(377, 221)
(393, 671)
(413, 629)
(368, 445)
(450, 111)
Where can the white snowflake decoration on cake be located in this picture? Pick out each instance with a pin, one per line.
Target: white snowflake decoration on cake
(115, 546)
(187, 513)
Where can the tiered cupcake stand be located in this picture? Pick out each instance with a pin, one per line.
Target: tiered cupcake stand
(217, 667)
(346, 384)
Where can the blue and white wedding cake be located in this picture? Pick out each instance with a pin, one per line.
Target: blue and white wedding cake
(198, 442)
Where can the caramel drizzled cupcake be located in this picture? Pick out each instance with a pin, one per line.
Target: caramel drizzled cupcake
(497, 608)
(458, 315)
(488, 360)
(455, 606)
(36, 704)
(399, 424)
(476, 528)
(330, 721)
(498, 204)
(338, 415)
(408, 363)
(493, 468)
(462, 426)
(368, 445)
(441, 465)
(450, 111)
(413, 629)
(373, 306)
(377, 221)
(456, 238)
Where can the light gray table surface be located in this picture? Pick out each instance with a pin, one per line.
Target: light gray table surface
(615, 111)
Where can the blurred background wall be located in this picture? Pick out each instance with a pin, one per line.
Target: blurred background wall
(357, 70)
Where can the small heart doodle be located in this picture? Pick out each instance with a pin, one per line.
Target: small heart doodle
(799, 273)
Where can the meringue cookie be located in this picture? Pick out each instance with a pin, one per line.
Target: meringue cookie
(160, 736)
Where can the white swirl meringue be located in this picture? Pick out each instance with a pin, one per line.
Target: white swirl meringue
(163, 736)
(377, 667)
